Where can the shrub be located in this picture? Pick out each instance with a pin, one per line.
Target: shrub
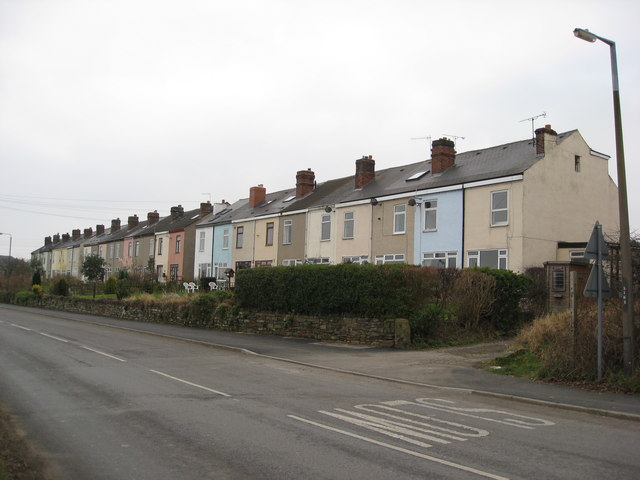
(472, 297)
(505, 314)
(122, 288)
(110, 285)
(60, 287)
(37, 289)
(22, 298)
(36, 279)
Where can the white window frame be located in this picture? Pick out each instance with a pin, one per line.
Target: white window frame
(349, 225)
(576, 254)
(152, 246)
(325, 228)
(225, 239)
(319, 261)
(137, 248)
(399, 212)
(287, 230)
(356, 259)
(239, 237)
(390, 258)
(160, 242)
(178, 243)
(501, 210)
(474, 258)
(203, 236)
(292, 262)
(448, 259)
(430, 210)
(269, 233)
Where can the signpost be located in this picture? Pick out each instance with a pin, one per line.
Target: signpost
(597, 285)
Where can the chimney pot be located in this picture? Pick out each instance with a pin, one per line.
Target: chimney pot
(115, 225)
(99, 229)
(545, 137)
(47, 240)
(75, 234)
(177, 212)
(132, 221)
(88, 232)
(206, 208)
(153, 217)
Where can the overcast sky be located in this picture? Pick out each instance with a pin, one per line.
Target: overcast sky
(110, 108)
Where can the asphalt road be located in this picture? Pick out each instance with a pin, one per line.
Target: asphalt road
(104, 403)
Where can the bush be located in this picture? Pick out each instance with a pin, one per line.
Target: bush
(122, 288)
(36, 279)
(37, 289)
(505, 314)
(60, 287)
(472, 297)
(110, 285)
(22, 298)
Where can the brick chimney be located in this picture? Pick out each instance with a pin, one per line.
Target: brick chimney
(56, 238)
(75, 234)
(88, 232)
(365, 171)
(305, 182)
(177, 212)
(47, 241)
(256, 195)
(99, 229)
(65, 237)
(153, 217)
(206, 208)
(132, 222)
(545, 137)
(443, 155)
(115, 225)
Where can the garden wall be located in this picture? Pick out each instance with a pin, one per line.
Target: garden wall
(366, 331)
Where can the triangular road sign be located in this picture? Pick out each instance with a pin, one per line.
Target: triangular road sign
(591, 288)
(596, 242)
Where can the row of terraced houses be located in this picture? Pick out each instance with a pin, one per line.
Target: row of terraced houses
(510, 206)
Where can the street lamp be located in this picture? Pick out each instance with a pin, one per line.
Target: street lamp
(625, 236)
(10, 241)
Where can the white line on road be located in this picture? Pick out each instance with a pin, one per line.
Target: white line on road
(400, 449)
(21, 327)
(192, 384)
(102, 353)
(53, 337)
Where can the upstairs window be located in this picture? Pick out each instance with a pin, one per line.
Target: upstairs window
(325, 233)
(348, 225)
(576, 163)
(499, 208)
(240, 237)
(160, 242)
(269, 238)
(286, 232)
(202, 241)
(430, 215)
(178, 243)
(399, 219)
(225, 239)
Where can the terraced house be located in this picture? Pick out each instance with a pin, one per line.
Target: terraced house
(510, 206)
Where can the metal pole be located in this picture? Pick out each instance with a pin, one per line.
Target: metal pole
(599, 276)
(623, 206)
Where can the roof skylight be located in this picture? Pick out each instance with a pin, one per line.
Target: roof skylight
(417, 175)
(288, 199)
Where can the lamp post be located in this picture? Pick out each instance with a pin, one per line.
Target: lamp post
(10, 241)
(625, 236)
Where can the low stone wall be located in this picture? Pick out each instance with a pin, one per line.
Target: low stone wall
(366, 331)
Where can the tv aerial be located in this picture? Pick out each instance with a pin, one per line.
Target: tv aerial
(532, 120)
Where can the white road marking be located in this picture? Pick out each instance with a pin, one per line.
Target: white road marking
(400, 449)
(192, 384)
(102, 353)
(55, 338)
(21, 327)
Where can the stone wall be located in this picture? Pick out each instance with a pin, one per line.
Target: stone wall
(365, 331)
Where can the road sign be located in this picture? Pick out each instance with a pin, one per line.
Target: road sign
(596, 243)
(591, 288)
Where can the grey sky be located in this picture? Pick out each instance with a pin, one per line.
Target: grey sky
(110, 108)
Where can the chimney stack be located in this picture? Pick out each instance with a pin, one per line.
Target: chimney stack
(443, 155)
(65, 237)
(305, 182)
(115, 225)
(256, 195)
(47, 241)
(365, 171)
(545, 137)
(153, 217)
(88, 232)
(56, 238)
(206, 208)
(99, 229)
(132, 222)
(177, 212)
(75, 234)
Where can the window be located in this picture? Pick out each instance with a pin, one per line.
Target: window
(499, 208)
(119, 250)
(399, 216)
(356, 259)
(326, 228)
(243, 265)
(225, 239)
(239, 237)
(348, 225)
(557, 277)
(178, 242)
(160, 242)
(152, 246)
(319, 261)
(269, 239)
(204, 270)
(137, 249)
(292, 262)
(263, 263)
(111, 251)
(576, 254)
(430, 215)
(576, 163)
(440, 259)
(496, 259)
(173, 272)
(130, 249)
(221, 271)
(202, 239)
(286, 232)
(389, 258)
